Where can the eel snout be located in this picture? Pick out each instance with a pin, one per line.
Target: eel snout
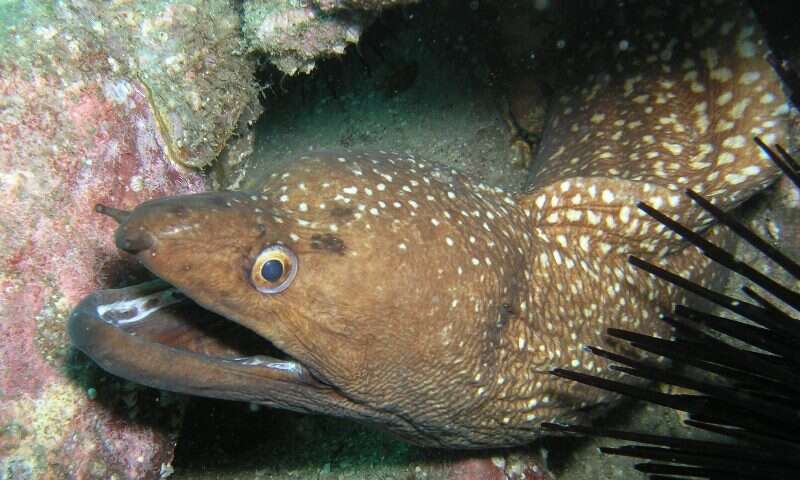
(129, 238)
(159, 334)
(188, 217)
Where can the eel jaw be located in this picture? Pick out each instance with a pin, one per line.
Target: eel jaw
(154, 335)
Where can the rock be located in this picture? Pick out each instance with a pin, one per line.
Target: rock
(361, 4)
(519, 465)
(187, 55)
(97, 106)
(294, 35)
(528, 102)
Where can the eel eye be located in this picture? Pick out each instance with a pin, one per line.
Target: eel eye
(274, 269)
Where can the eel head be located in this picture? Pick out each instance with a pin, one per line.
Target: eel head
(307, 304)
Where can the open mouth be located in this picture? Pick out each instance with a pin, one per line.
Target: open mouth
(156, 335)
(153, 334)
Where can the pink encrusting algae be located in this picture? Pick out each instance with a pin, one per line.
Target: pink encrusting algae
(72, 134)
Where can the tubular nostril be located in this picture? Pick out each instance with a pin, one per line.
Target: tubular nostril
(118, 215)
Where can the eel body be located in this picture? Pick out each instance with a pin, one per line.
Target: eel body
(397, 292)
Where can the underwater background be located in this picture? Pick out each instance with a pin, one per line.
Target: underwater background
(118, 103)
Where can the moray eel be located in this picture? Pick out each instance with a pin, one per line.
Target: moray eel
(392, 291)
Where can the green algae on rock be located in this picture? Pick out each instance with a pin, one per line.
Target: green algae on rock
(196, 79)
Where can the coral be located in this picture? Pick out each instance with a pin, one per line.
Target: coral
(293, 34)
(95, 109)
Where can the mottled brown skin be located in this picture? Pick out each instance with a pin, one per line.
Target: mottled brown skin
(434, 306)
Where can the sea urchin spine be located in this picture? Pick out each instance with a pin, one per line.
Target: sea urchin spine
(745, 375)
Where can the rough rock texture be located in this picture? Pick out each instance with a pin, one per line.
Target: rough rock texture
(293, 34)
(95, 105)
(238, 148)
(361, 4)
(186, 54)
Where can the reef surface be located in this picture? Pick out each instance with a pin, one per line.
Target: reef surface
(100, 103)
